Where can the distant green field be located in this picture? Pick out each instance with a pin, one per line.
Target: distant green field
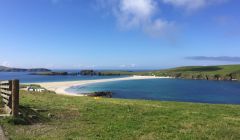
(223, 72)
(224, 69)
(55, 117)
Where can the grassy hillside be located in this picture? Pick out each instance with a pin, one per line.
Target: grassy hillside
(223, 72)
(221, 69)
(51, 116)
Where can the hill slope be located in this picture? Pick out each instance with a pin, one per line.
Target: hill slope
(221, 69)
(221, 72)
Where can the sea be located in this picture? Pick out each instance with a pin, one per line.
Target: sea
(180, 90)
(26, 77)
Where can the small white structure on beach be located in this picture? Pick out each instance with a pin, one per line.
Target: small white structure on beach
(34, 89)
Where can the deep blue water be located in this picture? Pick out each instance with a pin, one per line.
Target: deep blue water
(223, 92)
(25, 77)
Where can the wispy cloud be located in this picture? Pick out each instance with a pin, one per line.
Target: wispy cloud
(54, 1)
(139, 14)
(228, 24)
(134, 14)
(147, 15)
(218, 58)
(5, 63)
(161, 28)
(128, 66)
(224, 20)
(192, 5)
(86, 66)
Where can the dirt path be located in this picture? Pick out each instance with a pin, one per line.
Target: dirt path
(2, 136)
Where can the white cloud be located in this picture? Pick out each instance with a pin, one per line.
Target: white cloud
(86, 66)
(5, 63)
(138, 14)
(147, 15)
(161, 28)
(135, 14)
(191, 5)
(128, 66)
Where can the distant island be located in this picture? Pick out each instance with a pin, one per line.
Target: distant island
(8, 69)
(49, 73)
(104, 73)
(52, 73)
(83, 73)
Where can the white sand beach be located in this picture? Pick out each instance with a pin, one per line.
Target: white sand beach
(60, 87)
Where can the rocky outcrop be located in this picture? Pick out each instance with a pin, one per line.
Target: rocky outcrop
(106, 94)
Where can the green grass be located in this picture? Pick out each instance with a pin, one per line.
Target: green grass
(76, 118)
(221, 69)
(222, 72)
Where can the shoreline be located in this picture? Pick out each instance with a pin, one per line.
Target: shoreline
(60, 87)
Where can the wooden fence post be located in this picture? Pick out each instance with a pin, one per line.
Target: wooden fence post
(8, 106)
(15, 98)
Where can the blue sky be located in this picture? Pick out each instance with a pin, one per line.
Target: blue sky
(119, 34)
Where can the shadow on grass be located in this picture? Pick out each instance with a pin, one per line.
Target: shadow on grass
(201, 69)
(28, 116)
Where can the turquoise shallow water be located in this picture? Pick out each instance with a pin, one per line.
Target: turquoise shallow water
(223, 92)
